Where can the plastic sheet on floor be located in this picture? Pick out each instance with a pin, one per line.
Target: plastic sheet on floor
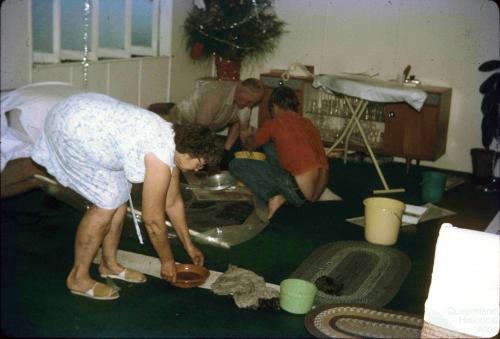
(229, 218)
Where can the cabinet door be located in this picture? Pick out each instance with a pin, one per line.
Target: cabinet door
(410, 133)
(394, 130)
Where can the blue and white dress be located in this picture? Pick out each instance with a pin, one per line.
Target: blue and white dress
(96, 145)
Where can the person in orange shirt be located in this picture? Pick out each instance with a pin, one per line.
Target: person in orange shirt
(296, 167)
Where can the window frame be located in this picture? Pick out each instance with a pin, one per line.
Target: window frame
(153, 50)
(127, 22)
(54, 56)
(70, 54)
(160, 38)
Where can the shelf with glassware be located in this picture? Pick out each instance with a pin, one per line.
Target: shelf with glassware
(393, 129)
(330, 114)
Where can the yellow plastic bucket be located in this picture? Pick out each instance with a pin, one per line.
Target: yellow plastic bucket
(383, 220)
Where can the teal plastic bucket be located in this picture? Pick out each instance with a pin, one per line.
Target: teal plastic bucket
(433, 184)
(297, 295)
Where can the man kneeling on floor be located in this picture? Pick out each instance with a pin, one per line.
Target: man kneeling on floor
(296, 167)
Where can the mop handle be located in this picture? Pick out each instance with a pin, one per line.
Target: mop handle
(134, 217)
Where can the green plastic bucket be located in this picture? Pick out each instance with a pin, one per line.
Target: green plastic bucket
(433, 184)
(297, 295)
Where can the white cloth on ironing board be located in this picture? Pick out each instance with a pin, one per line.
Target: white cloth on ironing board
(371, 89)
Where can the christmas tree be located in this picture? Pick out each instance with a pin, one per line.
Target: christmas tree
(232, 29)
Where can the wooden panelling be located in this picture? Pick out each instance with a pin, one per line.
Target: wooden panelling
(155, 73)
(125, 84)
(98, 78)
(139, 81)
(61, 73)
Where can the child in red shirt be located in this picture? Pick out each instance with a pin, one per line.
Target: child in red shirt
(296, 167)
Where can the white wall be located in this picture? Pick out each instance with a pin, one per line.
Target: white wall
(444, 41)
(185, 70)
(15, 55)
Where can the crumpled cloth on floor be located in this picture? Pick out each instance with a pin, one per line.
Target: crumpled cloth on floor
(245, 286)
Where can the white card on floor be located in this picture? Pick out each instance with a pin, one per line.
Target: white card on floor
(413, 214)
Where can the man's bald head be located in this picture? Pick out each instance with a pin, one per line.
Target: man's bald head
(249, 93)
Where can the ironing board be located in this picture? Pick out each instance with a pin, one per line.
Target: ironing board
(367, 89)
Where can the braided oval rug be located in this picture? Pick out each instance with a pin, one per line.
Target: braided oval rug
(351, 321)
(369, 274)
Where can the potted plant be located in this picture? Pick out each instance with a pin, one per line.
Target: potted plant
(483, 159)
(232, 31)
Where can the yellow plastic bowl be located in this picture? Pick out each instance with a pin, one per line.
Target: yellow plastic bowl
(250, 155)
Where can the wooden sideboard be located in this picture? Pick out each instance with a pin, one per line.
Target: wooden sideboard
(420, 135)
(407, 133)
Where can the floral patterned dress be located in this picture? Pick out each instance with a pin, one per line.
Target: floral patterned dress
(96, 145)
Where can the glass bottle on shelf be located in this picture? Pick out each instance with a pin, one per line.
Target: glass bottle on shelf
(312, 111)
(314, 106)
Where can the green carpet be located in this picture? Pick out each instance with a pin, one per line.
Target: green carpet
(37, 254)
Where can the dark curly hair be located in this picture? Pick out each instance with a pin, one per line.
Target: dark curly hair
(285, 98)
(198, 141)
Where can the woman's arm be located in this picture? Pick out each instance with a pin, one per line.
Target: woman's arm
(154, 193)
(176, 212)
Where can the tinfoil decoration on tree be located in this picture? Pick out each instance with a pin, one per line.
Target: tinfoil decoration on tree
(85, 63)
(232, 29)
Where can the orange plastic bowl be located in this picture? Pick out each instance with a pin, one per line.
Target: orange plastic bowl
(189, 275)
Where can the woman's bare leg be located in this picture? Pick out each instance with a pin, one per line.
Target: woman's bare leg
(109, 263)
(91, 231)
